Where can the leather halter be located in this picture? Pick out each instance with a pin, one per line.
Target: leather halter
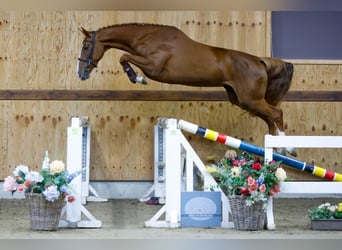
(89, 60)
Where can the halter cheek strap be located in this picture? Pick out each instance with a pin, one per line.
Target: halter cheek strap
(89, 60)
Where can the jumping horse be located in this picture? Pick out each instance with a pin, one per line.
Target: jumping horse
(166, 54)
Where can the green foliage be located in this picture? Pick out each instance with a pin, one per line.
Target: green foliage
(326, 211)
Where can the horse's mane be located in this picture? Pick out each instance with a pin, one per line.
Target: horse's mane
(133, 24)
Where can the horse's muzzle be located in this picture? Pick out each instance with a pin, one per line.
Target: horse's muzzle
(83, 78)
(84, 75)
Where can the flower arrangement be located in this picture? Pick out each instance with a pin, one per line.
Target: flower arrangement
(52, 181)
(326, 211)
(241, 173)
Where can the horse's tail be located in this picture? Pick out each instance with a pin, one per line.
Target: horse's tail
(279, 76)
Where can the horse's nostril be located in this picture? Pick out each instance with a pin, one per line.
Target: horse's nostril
(84, 77)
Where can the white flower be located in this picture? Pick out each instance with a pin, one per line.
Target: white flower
(51, 193)
(34, 176)
(327, 204)
(230, 154)
(20, 168)
(280, 174)
(332, 208)
(57, 167)
(235, 172)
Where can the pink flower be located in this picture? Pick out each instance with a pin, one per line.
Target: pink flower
(21, 188)
(250, 181)
(236, 162)
(9, 184)
(274, 190)
(262, 188)
(243, 161)
(252, 184)
(253, 187)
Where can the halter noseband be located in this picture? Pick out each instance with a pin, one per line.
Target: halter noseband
(89, 60)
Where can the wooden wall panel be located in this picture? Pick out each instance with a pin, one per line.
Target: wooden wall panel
(45, 44)
(39, 50)
(3, 139)
(317, 77)
(316, 119)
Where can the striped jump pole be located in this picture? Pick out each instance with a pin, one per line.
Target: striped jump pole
(238, 144)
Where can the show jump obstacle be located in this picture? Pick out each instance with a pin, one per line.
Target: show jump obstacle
(176, 163)
(78, 155)
(209, 134)
(172, 149)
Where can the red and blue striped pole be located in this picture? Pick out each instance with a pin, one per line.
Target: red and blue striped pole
(238, 144)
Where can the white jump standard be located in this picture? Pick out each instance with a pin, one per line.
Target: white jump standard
(175, 175)
(78, 152)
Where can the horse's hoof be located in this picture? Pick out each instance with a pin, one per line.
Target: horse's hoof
(292, 152)
(132, 80)
(281, 151)
(141, 80)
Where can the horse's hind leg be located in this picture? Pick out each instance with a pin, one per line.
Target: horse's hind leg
(273, 117)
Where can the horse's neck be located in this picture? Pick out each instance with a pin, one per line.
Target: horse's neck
(118, 34)
(114, 37)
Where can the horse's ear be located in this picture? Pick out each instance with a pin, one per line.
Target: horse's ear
(84, 31)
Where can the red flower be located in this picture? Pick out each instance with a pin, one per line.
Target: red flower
(27, 183)
(71, 198)
(256, 166)
(244, 191)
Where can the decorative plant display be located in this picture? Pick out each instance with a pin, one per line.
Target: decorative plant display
(326, 211)
(241, 173)
(52, 181)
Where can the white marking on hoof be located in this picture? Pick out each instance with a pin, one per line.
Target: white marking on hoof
(141, 79)
(290, 150)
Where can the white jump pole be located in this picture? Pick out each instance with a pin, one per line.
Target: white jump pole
(78, 147)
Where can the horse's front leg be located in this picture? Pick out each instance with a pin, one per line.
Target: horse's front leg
(132, 75)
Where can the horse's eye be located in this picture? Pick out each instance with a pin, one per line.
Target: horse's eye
(85, 47)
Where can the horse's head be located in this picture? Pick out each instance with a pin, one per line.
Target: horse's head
(91, 53)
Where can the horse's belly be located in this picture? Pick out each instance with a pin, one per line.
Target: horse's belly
(194, 74)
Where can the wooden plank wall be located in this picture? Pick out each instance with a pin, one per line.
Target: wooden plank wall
(39, 50)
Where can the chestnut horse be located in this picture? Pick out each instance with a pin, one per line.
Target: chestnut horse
(165, 54)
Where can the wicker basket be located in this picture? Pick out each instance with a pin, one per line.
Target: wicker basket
(248, 218)
(44, 215)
